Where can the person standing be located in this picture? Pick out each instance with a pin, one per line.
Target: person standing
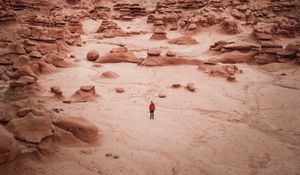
(151, 110)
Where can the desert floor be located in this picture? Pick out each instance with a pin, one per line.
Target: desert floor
(246, 127)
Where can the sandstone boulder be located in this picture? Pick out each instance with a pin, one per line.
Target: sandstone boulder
(30, 128)
(92, 55)
(191, 87)
(85, 94)
(236, 57)
(80, 128)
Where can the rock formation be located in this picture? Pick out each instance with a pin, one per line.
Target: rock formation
(85, 94)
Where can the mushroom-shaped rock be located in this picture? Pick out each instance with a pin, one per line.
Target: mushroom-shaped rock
(85, 94)
(30, 128)
(80, 128)
(159, 34)
(92, 55)
(154, 52)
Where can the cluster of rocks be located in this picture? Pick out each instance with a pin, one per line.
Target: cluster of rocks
(214, 68)
(100, 12)
(155, 58)
(5, 13)
(36, 45)
(182, 4)
(129, 11)
(110, 29)
(174, 19)
(266, 52)
(27, 126)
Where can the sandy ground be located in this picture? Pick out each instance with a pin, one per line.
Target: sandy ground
(248, 127)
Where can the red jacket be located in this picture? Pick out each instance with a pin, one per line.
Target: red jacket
(152, 107)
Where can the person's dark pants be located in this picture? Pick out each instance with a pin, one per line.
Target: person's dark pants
(151, 114)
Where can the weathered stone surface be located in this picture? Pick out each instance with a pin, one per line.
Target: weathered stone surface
(30, 128)
(9, 147)
(79, 127)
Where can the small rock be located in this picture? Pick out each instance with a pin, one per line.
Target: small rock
(191, 87)
(176, 86)
(192, 26)
(231, 78)
(154, 52)
(116, 157)
(97, 65)
(108, 154)
(56, 90)
(162, 95)
(119, 90)
(67, 101)
(171, 54)
(35, 54)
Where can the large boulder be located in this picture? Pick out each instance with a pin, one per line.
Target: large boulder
(9, 147)
(236, 57)
(242, 46)
(80, 128)
(92, 55)
(30, 128)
